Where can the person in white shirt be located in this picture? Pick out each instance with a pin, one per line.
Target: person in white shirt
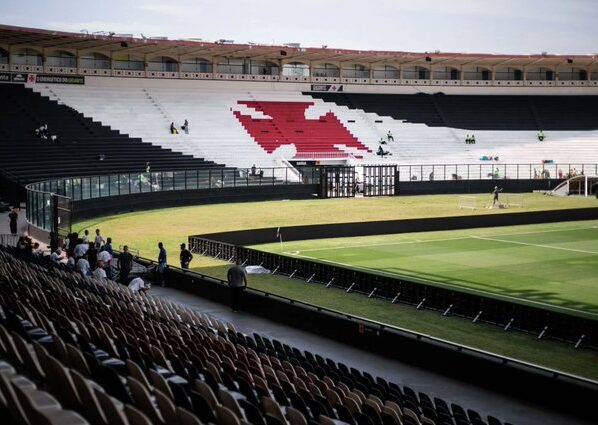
(138, 285)
(37, 251)
(83, 266)
(105, 257)
(99, 272)
(98, 239)
(56, 256)
(86, 236)
(80, 249)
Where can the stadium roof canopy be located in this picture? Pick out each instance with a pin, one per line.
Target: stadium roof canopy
(12, 37)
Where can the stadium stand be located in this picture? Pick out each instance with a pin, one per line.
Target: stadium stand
(90, 351)
(432, 128)
(80, 142)
(427, 129)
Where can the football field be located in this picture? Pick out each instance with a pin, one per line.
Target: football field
(550, 265)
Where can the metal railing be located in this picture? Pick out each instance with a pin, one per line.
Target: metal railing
(491, 170)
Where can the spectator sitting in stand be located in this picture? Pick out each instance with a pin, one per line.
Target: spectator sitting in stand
(37, 251)
(99, 272)
(185, 127)
(80, 249)
(540, 135)
(389, 136)
(173, 129)
(70, 263)
(83, 266)
(105, 258)
(382, 141)
(253, 169)
(56, 256)
(381, 152)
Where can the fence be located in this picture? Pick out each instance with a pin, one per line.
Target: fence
(491, 170)
(45, 203)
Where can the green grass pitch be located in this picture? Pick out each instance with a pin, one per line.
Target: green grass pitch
(550, 265)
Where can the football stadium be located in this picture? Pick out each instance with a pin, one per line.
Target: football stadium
(221, 232)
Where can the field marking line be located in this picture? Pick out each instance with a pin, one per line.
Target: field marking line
(535, 244)
(455, 286)
(435, 240)
(379, 244)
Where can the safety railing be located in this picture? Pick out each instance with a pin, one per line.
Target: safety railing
(44, 198)
(492, 170)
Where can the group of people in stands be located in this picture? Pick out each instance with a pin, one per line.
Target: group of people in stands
(43, 133)
(184, 127)
(470, 140)
(389, 138)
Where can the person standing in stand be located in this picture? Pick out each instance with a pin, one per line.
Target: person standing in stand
(237, 281)
(13, 218)
(162, 264)
(185, 257)
(126, 264)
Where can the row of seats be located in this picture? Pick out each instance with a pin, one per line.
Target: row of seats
(80, 142)
(115, 357)
(478, 112)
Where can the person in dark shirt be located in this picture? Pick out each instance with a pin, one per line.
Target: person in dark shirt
(162, 264)
(495, 192)
(126, 264)
(185, 257)
(237, 281)
(13, 218)
(108, 246)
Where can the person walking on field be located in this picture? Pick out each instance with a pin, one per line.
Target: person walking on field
(495, 192)
(13, 218)
(237, 281)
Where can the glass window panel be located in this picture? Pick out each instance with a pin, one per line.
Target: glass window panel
(124, 184)
(113, 184)
(167, 180)
(191, 179)
(179, 180)
(146, 182)
(94, 184)
(85, 188)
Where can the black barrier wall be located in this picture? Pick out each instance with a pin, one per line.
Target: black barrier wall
(436, 187)
(90, 208)
(449, 299)
(340, 230)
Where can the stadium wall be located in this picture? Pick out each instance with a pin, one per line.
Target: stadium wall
(90, 208)
(228, 85)
(473, 186)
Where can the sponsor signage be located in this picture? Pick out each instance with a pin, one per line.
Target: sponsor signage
(19, 78)
(7, 77)
(58, 79)
(326, 87)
